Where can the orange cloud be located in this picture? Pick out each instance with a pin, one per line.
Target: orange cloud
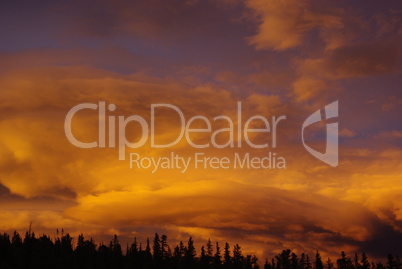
(285, 24)
(303, 54)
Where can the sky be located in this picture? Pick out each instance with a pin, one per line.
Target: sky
(276, 58)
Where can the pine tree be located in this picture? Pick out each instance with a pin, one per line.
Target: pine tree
(303, 261)
(391, 262)
(116, 252)
(254, 262)
(115, 246)
(182, 249)
(318, 262)
(226, 254)
(209, 252)
(294, 261)
(267, 265)
(343, 262)
(217, 256)
(156, 249)
(238, 258)
(356, 263)
(190, 254)
(308, 263)
(134, 247)
(147, 255)
(329, 264)
(364, 262)
(283, 259)
(147, 248)
(165, 250)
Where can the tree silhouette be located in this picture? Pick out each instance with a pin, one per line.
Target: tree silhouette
(318, 262)
(329, 264)
(43, 252)
(364, 262)
(217, 256)
(157, 250)
(190, 254)
(294, 261)
(238, 258)
(226, 255)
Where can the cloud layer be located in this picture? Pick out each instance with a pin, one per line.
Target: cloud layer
(275, 57)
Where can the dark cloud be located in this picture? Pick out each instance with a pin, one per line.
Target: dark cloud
(365, 59)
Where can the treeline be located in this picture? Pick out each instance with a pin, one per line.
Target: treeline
(43, 252)
(289, 260)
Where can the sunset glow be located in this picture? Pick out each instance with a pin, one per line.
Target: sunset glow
(230, 80)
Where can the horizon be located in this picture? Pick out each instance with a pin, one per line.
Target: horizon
(126, 248)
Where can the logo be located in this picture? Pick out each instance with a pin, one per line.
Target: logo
(256, 132)
(331, 148)
(218, 132)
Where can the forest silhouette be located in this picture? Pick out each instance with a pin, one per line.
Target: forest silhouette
(62, 252)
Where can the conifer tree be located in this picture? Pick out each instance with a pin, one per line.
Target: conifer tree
(226, 254)
(318, 262)
(217, 256)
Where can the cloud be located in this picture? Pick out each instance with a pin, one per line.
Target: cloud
(299, 56)
(202, 208)
(306, 88)
(357, 60)
(336, 43)
(286, 23)
(347, 133)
